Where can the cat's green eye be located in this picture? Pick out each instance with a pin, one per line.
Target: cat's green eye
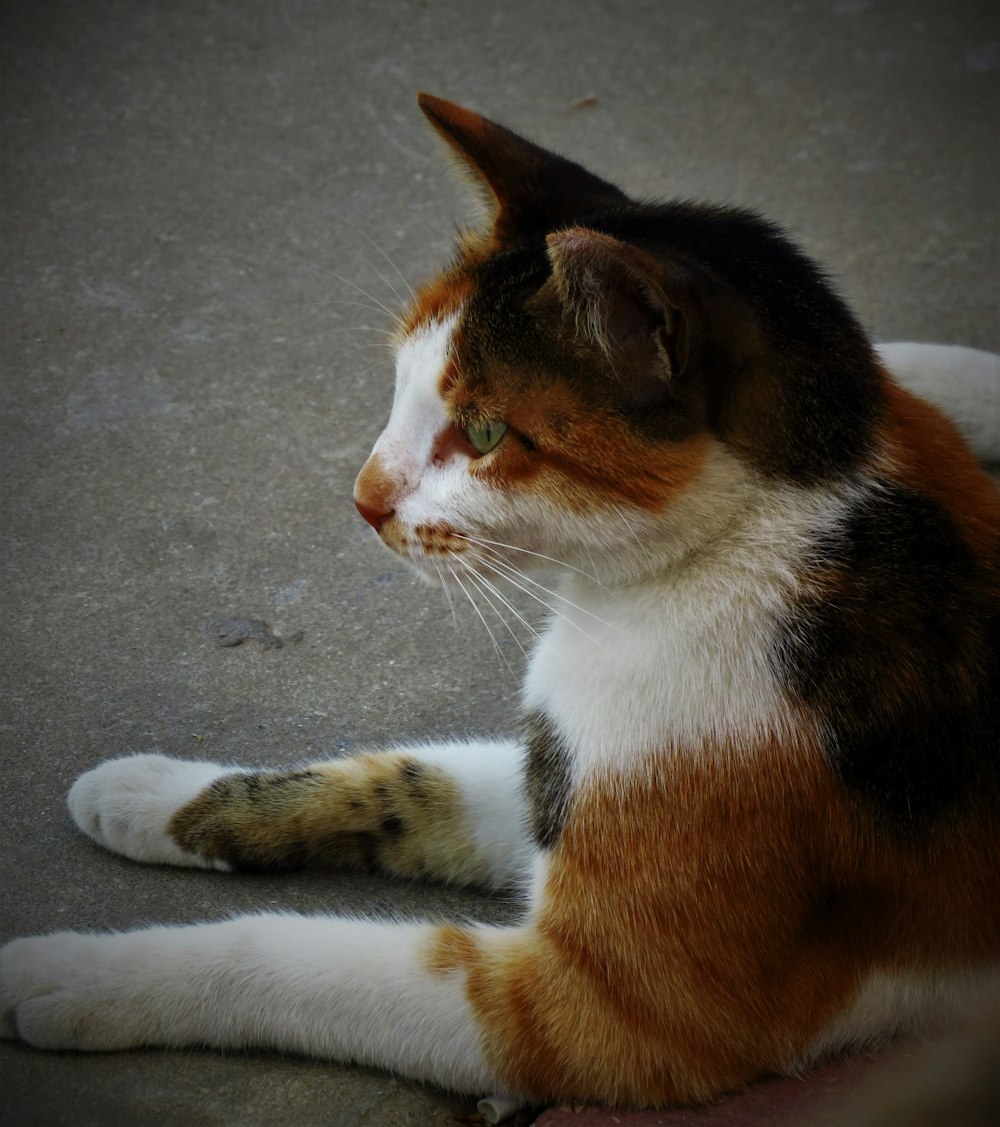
(486, 435)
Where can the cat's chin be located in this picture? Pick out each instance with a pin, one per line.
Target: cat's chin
(436, 580)
(434, 567)
(455, 571)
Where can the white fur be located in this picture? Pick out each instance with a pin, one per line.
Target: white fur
(680, 658)
(352, 990)
(426, 492)
(963, 382)
(418, 413)
(125, 805)
(445, 493)
(488, 774)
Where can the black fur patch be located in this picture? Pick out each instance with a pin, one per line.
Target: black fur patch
(258, 786)
(415, 778)
(789, 372)
(547, 780)
(784, 372)
(901, 657)
(393, 826)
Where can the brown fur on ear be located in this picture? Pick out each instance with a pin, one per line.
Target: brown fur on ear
(528, 188)
(617, 296)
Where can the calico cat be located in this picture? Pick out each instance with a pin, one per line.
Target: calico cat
(755, 803)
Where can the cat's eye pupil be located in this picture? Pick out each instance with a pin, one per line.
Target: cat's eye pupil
(485, 436)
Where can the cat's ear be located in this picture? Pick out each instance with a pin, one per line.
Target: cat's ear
(641, 314)
(525, 187)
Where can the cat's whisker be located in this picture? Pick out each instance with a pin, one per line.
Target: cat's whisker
(586, 548)
(363, 373)
(358, 329)
(548, 606)
(484, 587)
(499, 562)
(628, 524)
(368, 239)
(513, 610)
(380, 355)
(354, 286)
(499, 558)
(496, 644)
(377, 307)
(292, 306)
(395, 293)
(331, 301)
(391, 314)
(527, 551)
(447, 592)
(369, 344)
(290, 322)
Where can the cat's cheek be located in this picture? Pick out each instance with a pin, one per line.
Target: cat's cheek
(442, 499)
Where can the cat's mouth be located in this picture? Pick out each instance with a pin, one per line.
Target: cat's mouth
(436, 552)
(424, 541)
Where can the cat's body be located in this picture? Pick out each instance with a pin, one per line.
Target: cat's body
(756, 802)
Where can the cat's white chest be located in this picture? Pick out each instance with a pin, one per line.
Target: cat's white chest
(676, 666)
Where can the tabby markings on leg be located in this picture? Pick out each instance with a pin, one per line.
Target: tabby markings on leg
(379, 810)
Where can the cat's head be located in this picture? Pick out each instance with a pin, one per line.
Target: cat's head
(592, 379)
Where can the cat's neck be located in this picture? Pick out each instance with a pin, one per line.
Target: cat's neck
(680, 653)
(729, 520)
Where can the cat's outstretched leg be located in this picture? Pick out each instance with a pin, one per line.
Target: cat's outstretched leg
(451, 812)
(349, 990)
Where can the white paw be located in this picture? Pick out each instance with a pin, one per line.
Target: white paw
(54, 993)
(126, 804)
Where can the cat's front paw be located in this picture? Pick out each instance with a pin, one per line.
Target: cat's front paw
(55, 993)
(126, 806)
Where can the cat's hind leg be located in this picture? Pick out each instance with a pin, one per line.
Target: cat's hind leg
(452, 811)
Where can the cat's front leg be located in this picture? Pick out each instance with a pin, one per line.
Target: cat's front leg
(453, 811)
(348, 990)
(127, 804)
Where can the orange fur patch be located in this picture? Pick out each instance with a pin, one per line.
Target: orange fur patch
(374, 487)
(704, 922)
(931, 457)
(437, 299)
(582, 454)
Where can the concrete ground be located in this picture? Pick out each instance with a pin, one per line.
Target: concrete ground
(190, 380)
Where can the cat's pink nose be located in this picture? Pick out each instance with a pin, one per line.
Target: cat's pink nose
(375, 517)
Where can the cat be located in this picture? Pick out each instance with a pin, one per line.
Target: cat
(755, 804)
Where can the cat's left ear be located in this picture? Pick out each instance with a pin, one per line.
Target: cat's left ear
(527, 188)
(640, 313)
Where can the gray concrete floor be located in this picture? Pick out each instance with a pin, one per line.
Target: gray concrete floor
(187, 390)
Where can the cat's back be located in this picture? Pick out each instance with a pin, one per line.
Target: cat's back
(894, 641)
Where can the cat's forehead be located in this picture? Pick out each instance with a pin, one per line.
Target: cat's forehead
(476, 318)
(424, 351)
(480, 279)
